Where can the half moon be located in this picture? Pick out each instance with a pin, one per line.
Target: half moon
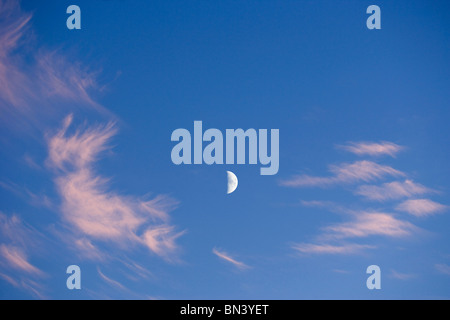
(232, 182)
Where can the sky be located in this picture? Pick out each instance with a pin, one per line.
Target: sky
(86, 176)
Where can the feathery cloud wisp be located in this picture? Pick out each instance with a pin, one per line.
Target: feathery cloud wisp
(402, 276)
(369, 224)
(372, 148)
(17, 259)
(330, 249)
(421, 207)
(112, 282)
(31, 76)
(17, 239)
(392, 190)
(443, 268)
(98, 214)
(225, 256)
(345, 173)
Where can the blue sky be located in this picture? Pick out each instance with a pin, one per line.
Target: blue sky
(86, 176)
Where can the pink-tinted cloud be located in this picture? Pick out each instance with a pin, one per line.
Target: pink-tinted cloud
(345, 173)
(402, 276)
(310, 248)
(17, 259)
(421, 207)
(17, 241)
(225, 256)
(372, 148)
(97, 214)
(110, 281)
(363, 224)
(88, 250)
(32, 77)
(392, 190)
(366, 224)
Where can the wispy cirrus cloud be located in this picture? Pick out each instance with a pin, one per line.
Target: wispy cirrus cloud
(421, 207)
(311, 248)
(225, 256)
(17, 240)
(17, 259)
(366, 224)
(362, 221)
(32, 76)
(97, 214)
(443, 268)
(362, 225)
(372, 148)
(110, 281)
(402, 276)
(392, 190)
(344, 173)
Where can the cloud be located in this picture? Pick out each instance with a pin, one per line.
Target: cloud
(225, 256)
(112, 282)
(36, 200)
(31, 76)
(17, 240)
(88, 250)
(17, 259)
(329, 205)
(421, 207)
(443, 268)
(364, 221)
(13, 25)
(392, 190)
(367, 224)
(309, 248)
(402, 276)
(345, 173)
(95, 213)
(364, 224)
(372, 148)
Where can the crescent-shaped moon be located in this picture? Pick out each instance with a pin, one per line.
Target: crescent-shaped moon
(232, 182)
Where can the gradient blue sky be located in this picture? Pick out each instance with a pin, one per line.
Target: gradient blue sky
(86, 176)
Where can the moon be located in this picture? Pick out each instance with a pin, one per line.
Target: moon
(232, 182)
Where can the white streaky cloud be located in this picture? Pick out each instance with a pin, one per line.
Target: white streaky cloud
(402, 276)
(136, 270)
(341, 271)
(32, 77)
(443, 268)
(13, 25)
(392, 190)
(345, 173)
(110, 281)
(372, 148)
(34, 288)
(88, 250)
(59, 78)
(17, 259)
(19, 234)
(363, 171)
(329, 205)
(367, 224)
(34, 199)
(421, 207)
(225, 256)
(310, 248)
(17, 239)
(95, 213)
(9, 279)
(12, 230)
